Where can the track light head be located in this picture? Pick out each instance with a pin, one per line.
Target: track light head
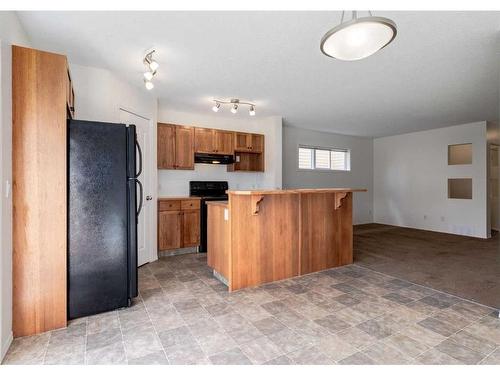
(234, 108)
(251, 111)
(149, 84)
(148, 76)
(216, 107)
(153, 65)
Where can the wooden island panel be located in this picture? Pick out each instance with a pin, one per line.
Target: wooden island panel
(270, 235)
(264, 247)
(326, 232)
(218, 240)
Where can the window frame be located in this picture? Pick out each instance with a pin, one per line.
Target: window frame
(313, 161)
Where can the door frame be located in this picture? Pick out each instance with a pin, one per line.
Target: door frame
(150, 231)
(490, 205)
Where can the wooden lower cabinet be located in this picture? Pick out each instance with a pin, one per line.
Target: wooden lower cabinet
(178, 223)
(169, 230)
(191, 228)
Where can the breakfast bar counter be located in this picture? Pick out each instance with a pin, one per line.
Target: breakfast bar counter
(260, 236)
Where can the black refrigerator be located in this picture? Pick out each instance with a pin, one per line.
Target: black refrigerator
(102, 216)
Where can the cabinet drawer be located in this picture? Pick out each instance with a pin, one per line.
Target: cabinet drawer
(190, 204)
(169, 205)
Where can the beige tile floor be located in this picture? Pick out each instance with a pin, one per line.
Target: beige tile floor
(347, 315)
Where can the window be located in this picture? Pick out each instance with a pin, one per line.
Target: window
(460, 188)
(315, 158)
(460, 154)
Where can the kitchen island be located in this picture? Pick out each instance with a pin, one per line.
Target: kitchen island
(261, 236)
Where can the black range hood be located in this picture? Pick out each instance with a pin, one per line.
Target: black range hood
(213, 159)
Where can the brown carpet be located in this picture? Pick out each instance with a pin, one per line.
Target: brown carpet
(463, 266)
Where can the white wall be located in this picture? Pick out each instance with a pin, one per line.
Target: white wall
(360, 175)
(100, 94)
(176, 182)
(11, 32)
(410, 181)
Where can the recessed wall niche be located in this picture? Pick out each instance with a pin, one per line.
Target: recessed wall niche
(460, 154)
(460, 188)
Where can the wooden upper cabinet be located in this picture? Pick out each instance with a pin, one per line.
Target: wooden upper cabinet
(213, 141)
(224, 143)
(204, 140)
(184, 147)
(247, 142)
(256, 142)
(175, 147)
(166, 146)
(169, 230)
(241, 142)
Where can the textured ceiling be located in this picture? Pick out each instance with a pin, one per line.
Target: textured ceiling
(442, 69)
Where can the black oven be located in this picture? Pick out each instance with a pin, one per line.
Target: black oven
(207, 191)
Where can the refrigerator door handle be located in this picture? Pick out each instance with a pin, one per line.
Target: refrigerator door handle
(140, 196)
(140, 159)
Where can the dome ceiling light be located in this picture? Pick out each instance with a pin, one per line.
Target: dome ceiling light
(234, 104)
(358, 38)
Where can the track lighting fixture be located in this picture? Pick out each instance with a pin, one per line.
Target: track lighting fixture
(152, 68)
(235, 104)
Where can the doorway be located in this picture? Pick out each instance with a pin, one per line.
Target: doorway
(145, 252)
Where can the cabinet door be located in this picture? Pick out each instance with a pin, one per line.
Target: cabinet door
(256, 142)
(184, 147)
(166, 146)
(191, 228)
(169, 230)
(241, 141)
(224, 143)
(204, 140)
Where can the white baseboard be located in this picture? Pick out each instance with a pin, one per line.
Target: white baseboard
(5, 346)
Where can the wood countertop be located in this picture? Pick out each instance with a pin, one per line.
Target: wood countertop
(216, 203)
(294, 191)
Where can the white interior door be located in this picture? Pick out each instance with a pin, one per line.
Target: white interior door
(144, 245)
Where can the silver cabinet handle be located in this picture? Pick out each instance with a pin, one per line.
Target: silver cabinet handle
(149, 197)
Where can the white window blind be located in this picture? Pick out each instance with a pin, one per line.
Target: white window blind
(324, 159)
(305, 158)
(338, 160)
